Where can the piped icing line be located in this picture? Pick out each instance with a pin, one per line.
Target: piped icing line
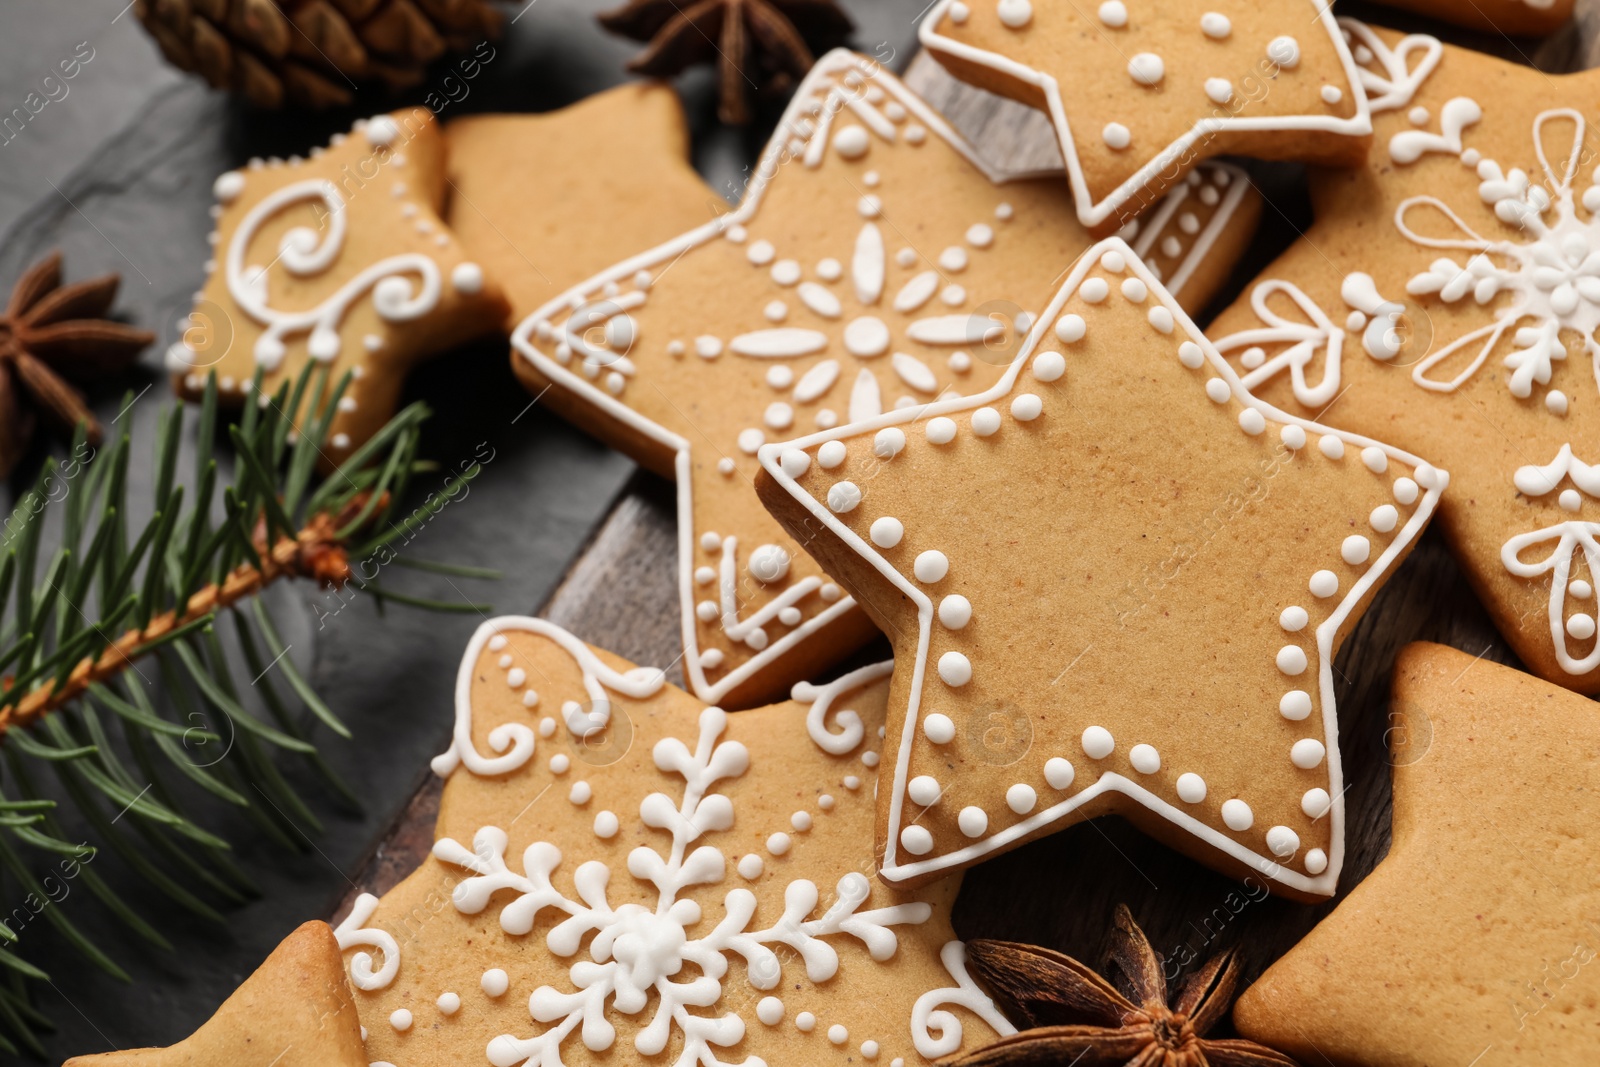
(1091, 213)
(937, 1032)
(1210, 174)
(821, 698)
(515, 741)
(1431, 482)
(353, 932)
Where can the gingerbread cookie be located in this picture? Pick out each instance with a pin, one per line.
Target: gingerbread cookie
(1495, 16)
(1115, 583)
(1447, 299)
(1140, 92)
(340, 259)
(545, 201)
(294, 1011)
(871, 259)
(620, 871)
(1471, 942)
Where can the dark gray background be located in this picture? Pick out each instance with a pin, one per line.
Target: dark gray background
(118, 174)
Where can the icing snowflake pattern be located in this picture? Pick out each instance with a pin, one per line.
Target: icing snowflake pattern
(1551, 267)
(635, 951)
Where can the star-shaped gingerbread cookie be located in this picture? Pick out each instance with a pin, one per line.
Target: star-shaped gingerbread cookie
(1472, 941)
(1115, 583)
(1139, 92)
(341, 260)
(622, 871)
(1448, 299)
(876, 262)
(294, 1011)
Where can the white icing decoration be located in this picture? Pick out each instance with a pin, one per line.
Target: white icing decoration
(1216, 26)
(514, 740)
(849, 733)
(1014, 14)
(404, 287)
(353, 932)
(1146, 68)
(1400, 78)
(636, 951)
(936, 1032)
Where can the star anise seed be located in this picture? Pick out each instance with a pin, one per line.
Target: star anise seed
(1073, 1015)
(50, 336)
(763, 45)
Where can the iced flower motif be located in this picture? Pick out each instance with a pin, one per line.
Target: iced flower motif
(1553, 272)
(637, 951)
(866, 336)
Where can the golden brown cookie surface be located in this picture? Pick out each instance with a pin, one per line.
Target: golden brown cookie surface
(621, 873)
(871, 258)
(1472, 941)
(339, 259)
(294, 1011)
(1114, 582)
(1447, 299)
(1140, 92)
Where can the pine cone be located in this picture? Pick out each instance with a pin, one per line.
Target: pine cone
(313, 52)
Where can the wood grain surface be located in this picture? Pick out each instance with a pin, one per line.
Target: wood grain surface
(1060, 891)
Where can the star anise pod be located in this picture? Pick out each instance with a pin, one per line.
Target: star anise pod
(52, 335)
(763, 45)
(1074, 1016)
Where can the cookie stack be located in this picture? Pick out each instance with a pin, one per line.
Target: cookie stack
(904, 390)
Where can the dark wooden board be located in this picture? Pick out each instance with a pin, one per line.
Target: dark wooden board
(1060, 891)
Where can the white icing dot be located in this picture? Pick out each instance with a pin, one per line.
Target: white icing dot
(939, 729)
(559, 763)
(1160, 318)
(770, 1011)
(1376, 459)
(1114, 14)
(497, 642)
(1332, 94)
(794, 462)
(400, 1019)
(516, 677)
(1291, 659)
(448, 1003)
(889, 442)
(985, 422)
(769, 563)
(1315, 803)
(468, 279)
(887, 531)
(869, 1049)
(580, 793)
(1058, 773)
(1570, 500)
(843, 497)
(1014, 14)
(980, 235)
(825, 802)
(805, 1022)
(955, 611)
(1307, 753)
(1580, 589)
(751, 866)
(924, 789)
(1293, 437)
(707, 347)
(831, 454)
(1094, 290)
(381, 131)
(830, 270)
(1191, 788)
(606, 825)
(1332, 447)
(931, 566)
(1215, 25)
(761, 252)
(1316, 861)
(1146, 68)
(955, 669)
(778, 843)
(801, 821)
(1324, 584)
(1116, 136)
(1355, 550)
(940, 430)
(1021, 798)
(1220, 90)
(1218, 390)
(1284, 51)
(1581, 626)
(1283, 842)
(1236, 815)
(1295, 705)
(1383, 518)
(1145, 759)
(1252, 421)
(494, 982)
(973, 821)
(1026, 407)
(917, 840)
(1191, 355)
(1070, 328)
(1555, 401)
(1294, 619)
(1097, 742)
